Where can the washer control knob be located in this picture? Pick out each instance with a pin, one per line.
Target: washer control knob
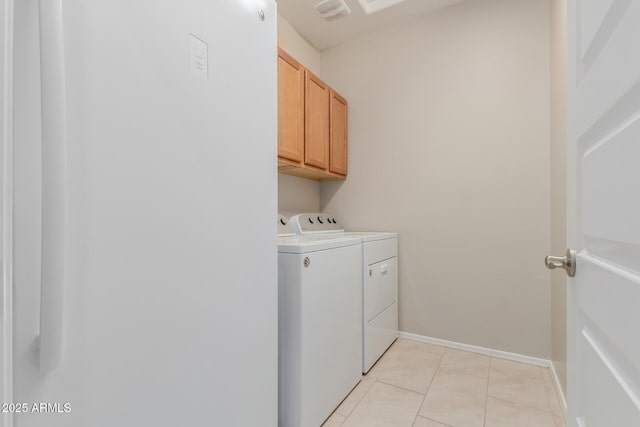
(283, 221)
(320, 220)
(310, 220)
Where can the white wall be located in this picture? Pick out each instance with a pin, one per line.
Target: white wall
(559, 185)
(449, 145)
(295, 45)
(298, 194)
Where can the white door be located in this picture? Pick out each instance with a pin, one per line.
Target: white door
(604, 213)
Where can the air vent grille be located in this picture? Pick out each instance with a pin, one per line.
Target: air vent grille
(333, 9)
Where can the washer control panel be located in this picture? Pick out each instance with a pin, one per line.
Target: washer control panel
(283, 226)
(307, 223)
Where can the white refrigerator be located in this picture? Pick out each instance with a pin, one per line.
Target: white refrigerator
(139, 197)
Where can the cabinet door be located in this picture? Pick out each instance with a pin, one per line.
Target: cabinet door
(316, 141)
(338, 134)
(291, 81)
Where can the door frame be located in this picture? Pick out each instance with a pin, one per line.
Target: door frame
(6, 193)
(572, 206)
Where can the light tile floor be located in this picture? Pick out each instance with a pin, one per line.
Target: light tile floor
(423, 385)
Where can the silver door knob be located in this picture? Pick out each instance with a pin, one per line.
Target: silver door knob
(567, 262)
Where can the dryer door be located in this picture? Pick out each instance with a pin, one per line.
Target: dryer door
(381, 281)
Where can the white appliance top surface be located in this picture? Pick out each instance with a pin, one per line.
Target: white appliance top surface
(305, 244)
(369, 236)
(325, 224)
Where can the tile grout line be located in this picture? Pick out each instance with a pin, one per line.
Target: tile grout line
(383, 367)
(399, 387)
(535, 408)
(370, 387)
(429, 386)
(402, 388)
(526, 405)
(486, 397)
(544, 383)
(357, 403)
(546, 389)
(435, 421)
(552, 388)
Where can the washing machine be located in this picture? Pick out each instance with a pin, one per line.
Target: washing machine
(379, 280)
(319, 325)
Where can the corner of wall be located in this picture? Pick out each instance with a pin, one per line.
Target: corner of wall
(297, 46)
(298, 194)
(558, 194)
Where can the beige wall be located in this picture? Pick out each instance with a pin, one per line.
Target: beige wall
(297, 194)
(558, 186)
(449, 145)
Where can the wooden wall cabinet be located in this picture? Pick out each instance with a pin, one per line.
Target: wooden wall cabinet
(338, 134)
(312, 124)
(291, 82)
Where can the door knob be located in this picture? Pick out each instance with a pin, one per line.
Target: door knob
(567, 262)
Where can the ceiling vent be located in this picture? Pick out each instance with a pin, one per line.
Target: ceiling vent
(333, 9)
(373, 6)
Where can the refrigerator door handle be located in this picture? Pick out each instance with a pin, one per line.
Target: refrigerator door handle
(52, 69)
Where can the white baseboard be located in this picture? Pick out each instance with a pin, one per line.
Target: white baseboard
(556, 384)
(477, 349)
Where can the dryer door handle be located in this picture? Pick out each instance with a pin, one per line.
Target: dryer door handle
(53, 183)
(384, 269)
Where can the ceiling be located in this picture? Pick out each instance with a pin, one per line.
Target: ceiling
(325, 34)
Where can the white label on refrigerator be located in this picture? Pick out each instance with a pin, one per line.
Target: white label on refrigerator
(199, 57)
